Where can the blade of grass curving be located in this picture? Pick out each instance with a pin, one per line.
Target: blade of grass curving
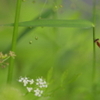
(56, 23)
(14, 38)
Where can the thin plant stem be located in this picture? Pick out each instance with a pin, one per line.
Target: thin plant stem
(94, 68)
(94, 57)
(14, 38)
(6, 59)
(94, 53)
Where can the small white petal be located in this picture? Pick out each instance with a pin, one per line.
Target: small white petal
(38, 92)
(29, 89)
(21, 79)
(31, 81)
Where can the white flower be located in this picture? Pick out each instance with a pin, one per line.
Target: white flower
(31, 81)
(24, 80)
(29, 89)
(41, 83)
(21, 79)
(38, 92)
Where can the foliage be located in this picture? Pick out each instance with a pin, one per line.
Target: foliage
(53, 40)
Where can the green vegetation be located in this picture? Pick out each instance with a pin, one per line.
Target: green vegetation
(53, 41)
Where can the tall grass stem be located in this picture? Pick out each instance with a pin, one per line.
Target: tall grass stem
(14, 38)
(94, 53)
(94, 58)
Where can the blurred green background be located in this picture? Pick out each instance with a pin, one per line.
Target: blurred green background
(63, 49)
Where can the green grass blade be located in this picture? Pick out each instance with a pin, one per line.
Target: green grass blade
(56, 23)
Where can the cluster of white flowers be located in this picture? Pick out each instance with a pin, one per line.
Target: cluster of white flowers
(41, 83)
(36, 86)
(26, 81)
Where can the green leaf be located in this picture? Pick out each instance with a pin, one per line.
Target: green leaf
(50, 74)
(63, 77)
(74, 78)
(56, 23)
